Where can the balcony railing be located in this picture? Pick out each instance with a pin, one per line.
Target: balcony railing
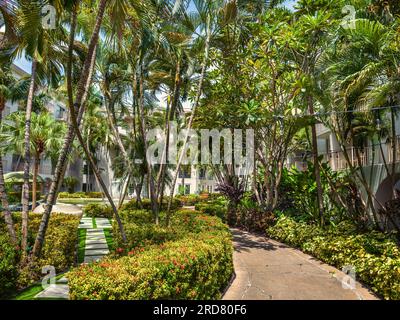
(367, 156)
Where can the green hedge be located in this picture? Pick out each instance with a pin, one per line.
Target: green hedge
(8, 265)
(59, 250)
(95, 210)
(375, 256)
(213, 209)
(146, 204)
(15, 196)
(190, 260)
(80, 195)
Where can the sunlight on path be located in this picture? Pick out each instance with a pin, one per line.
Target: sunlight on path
(268, 270)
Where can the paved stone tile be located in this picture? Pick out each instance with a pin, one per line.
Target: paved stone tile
(103, 223)
(54, 291)
(96, 246)
(89, 259)
(95, 234)
(95, 241)
(86, 225)
(96, 252)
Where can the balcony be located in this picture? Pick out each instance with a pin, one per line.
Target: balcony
(368, 156)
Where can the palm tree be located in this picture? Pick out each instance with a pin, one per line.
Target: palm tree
(358, 86)
(13, 90)
(45, 138)
(75, 106)
(39, 47)
(206, 10)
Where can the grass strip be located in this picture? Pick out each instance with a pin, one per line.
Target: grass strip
(81, 245)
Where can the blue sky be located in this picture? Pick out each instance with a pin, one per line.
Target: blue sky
(26, 65)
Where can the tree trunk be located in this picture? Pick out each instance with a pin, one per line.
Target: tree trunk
(152, 191)
(81, 95)
(27, 162)
(196, 103)
(124, 191)
(3, 194)
(34, 182)
(317, 171)
(394, 152)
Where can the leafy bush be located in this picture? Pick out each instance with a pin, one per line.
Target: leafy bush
(95, 210)
(146, 204)
(213, 209)
(190, 199)
(298, 198)
(15, 196)
(80, 195)
(94, 195)
(8, 265)
(375, 255)
(58, 250)
(190, 260)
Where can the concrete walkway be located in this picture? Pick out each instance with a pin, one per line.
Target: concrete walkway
(61, 208)
(268, 270)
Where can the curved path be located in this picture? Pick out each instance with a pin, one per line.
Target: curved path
(268, 270)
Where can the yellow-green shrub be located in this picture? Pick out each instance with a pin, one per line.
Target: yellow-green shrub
(96, 210)
(58, 250)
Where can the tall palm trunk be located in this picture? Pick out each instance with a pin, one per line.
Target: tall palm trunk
(150, 179)
(124, 191)
(27, 161)
(34, 182)
(81, 95)
(394, 152)
(96, 172)
(3, 195)
(170, 112)
(196, 103)
(317, 171)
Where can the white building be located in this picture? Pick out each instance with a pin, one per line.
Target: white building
(14, 162)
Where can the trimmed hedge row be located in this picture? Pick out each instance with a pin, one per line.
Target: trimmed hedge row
(191, 260)
(96, 210)
(213, 209)
(58, 251)
(80, 195)
(146, 204)
(375, 256)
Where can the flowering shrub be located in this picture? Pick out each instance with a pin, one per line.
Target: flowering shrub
(59, 249)
(96, 210)
(375, 255)
(190, 199)
(213, 209)
(190, 260)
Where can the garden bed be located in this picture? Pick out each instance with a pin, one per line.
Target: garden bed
(190, 260)
(59, 251)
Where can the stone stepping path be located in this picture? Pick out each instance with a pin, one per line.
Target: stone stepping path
(96, 248)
